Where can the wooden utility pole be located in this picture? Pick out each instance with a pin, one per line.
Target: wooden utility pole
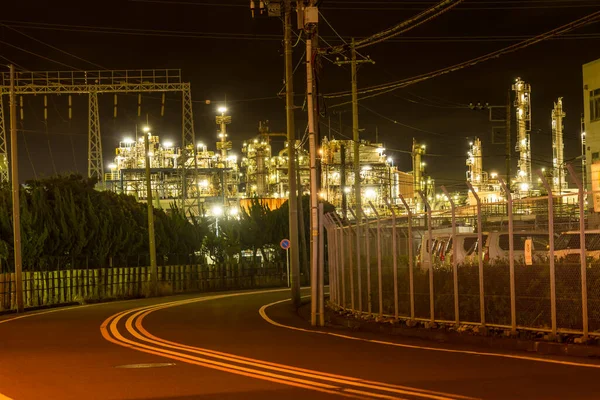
(151, 238)
(291, 139)
(15, 194)
(508, 135)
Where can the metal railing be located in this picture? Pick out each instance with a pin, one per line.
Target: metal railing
(527, 275)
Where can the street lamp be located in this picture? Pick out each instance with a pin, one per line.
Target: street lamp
(217, 211)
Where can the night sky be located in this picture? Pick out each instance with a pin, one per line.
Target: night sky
(227, 55)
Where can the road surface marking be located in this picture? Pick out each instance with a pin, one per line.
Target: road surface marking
(147, 365)
(265, 364)
(134, 326)
(110, 332)
(263, 314)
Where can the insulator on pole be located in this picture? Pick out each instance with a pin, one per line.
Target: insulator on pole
(21, 104)
(70, 104)
(162, 106)
(45, 108)
(139, 105)
(115, 107)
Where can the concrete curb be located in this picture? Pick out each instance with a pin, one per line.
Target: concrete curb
(443, 334)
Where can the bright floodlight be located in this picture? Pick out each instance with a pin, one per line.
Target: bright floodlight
(112, 166)
(524, 187)
(168, 145)
(199, 145)
(390, 159)
(233, 211)
(146, 129)
(370, 194)
(217, 211)
(128, 141)
(222, 110)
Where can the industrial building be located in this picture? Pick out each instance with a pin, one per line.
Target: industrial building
(591, 130)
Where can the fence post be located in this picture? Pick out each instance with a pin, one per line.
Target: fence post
(411, 277)
(454, 258)
(379, 271)
(342, 259)
(511, 258)
(358, 276)
(583, 255)
(479, 255)
(330, 250)
(551, 255)
(335, 286)
(430, 240)
(394, 258)
(321, 281)
(368, 255)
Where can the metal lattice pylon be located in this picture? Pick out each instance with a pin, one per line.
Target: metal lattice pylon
(189, 150)
(188, 135)
(95, 166)
(4, 175)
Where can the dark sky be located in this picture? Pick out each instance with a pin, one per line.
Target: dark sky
(197, 36)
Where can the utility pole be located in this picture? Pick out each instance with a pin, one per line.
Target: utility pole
(508, 135)
(291, 139)
(311, 18)
(356, 139)
(15, 193)
(273, 10)
(151, 238)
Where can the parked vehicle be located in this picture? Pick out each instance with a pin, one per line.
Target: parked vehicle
(466, 246)
(567, 247)
(440, 239)
(497, 246)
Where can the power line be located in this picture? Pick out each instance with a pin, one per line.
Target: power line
(37, 55)
(268, 37)
(400, 28)
(53, 47)
(400, 123)
(391, 86)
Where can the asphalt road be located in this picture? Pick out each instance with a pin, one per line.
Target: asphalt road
(218, 346)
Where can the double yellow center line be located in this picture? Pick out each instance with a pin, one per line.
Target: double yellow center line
(142, 340)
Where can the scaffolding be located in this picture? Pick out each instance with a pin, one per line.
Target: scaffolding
(212, 174)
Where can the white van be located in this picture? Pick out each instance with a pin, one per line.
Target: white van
(440, 240)
(465, 249)
(567, 246)
(496, 246)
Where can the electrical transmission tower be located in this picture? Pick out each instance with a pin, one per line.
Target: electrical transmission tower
(93, 83)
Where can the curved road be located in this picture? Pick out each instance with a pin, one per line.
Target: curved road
(252, 345)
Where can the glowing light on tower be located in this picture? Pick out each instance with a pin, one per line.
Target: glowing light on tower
(523, 109)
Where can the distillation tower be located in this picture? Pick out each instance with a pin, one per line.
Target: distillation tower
(558, 176)
(475, 174)
(523, 110)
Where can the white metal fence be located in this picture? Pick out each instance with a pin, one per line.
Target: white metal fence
(530, 273)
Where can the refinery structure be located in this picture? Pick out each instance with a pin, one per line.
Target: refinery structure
(206, 182)
(205, 178)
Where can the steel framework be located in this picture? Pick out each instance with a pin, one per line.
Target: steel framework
(4, 176)
(93, 83)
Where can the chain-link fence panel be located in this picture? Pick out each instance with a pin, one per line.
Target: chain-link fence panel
(593, 286)
(496, 283)
(468, 293)
(387, 267)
